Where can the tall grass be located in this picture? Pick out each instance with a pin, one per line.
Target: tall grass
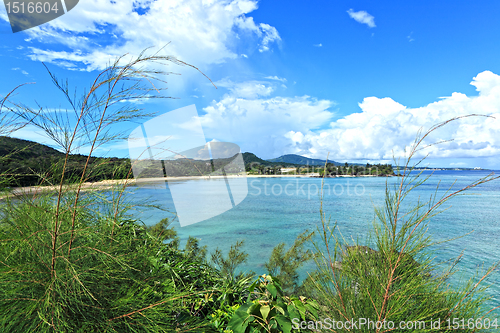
(72, 261)
(398, 281)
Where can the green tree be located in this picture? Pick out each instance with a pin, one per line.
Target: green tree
(284, 265)
(399, 280)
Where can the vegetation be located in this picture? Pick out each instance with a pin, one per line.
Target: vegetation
(357, 170)
(269, 310)
(30, 163)
(300, 160)
(74, 261)
(398, 282)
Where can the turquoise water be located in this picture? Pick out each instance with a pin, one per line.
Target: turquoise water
(268, 216)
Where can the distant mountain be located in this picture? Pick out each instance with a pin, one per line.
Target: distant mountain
(301, 160)
(249, 158)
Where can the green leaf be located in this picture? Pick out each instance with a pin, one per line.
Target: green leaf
(239, 321)
(264, 310)
(284, 322)
(293, 311)
(244, 308)
(312, 308)
(272, 289)
(280, 307)
(302, 309)
(254, 309)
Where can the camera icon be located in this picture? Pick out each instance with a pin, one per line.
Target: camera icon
(205, 179)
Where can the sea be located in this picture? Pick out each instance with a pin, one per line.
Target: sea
(277, 210)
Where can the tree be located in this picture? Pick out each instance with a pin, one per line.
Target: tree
(399, 280)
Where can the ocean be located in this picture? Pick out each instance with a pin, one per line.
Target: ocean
(278, 209)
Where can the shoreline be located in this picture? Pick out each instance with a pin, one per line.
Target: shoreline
(109, 184)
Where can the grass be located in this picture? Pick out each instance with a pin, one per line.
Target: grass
(399, 281)
(74, 261)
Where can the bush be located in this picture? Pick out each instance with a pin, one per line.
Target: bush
(269, 310)
(399, 280)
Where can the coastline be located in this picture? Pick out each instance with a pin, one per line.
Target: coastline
(109, 184)
(87, 186)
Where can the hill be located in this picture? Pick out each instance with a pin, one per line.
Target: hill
(27, 163)
(301, 160)
(24, 149)
(250, 158)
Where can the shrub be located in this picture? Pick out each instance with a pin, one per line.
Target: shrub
(399, 280)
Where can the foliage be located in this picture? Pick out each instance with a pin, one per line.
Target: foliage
(164, 233)
(113, 277)
(357, 170)
(300, 160)
(76, 262)
(284, 265)
(29, 163)
(269, 310)
(227, 266)
(399, 281)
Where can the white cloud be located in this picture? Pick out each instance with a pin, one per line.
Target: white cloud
(3, 14)
(248, 89)
(270, 35)
(276, 78)
(199, 31)
(272, 126)
(21, 70)
(362, 17)
(260, 125)
(318, 45)
(385, 127)
(410, 37)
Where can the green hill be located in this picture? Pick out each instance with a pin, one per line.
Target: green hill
(24, 149)
(27, 163)
(250, 158)
(301, 160)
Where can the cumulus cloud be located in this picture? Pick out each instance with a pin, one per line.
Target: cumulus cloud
(248, 89)
(362, 17)
(384, 127)
(276, 78)
(199, 31)
(269, 34)
(272, 126)
(260, 124)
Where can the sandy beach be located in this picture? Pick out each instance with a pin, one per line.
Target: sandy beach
(109, 184)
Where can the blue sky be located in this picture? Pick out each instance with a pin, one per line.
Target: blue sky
(355, 79)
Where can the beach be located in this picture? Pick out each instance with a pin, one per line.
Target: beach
(109, 184)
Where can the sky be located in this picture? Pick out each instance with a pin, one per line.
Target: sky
(353, 79)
